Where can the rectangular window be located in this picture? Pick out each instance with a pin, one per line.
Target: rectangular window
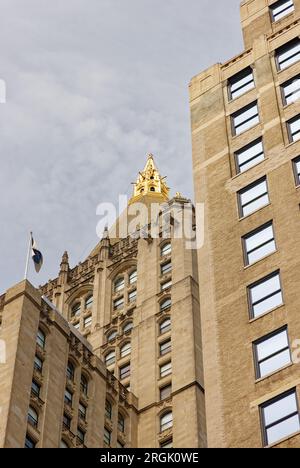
(66, 421)
(82, 411)
(249, 156)
(245, 119)
(281, 9)
(29, 442)
(125, 372)
(265, 295)
(108, 409)
(68, 398)
(259, 243)
(253, 197)
(80, 435)
(107, 436)
(166, 268)
(35, 388)
(38, 364)
(132, 296)
(272, 352)
(165, 348)
(288, 54)
(290, 91)
(166, 369)
(241, 83)
(293, 126)
(280, 417)
(119, 303)
(165, 392)
(296, 165)
(88, 321)
(165, 286)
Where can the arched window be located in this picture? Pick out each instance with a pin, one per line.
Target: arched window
(125, 350)
(152, 189)
(166, 304)
(166, 249)
(70, 371)
(133, 277)
(166, 421)
(111, 336)
(121, 422)
(41, 338)
(63, 444)
(165, 326)
(33, 417)
(119, 284)
(110, 358)
(76, 309)
(84, 386)
(89, 302)
(128, 327)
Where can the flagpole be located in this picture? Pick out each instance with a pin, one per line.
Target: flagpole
(28, 257)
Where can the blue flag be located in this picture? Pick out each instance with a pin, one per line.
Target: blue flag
(36, 255)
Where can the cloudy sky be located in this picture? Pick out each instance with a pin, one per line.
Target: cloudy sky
(92, 87)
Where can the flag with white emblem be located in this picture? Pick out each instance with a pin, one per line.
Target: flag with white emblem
(36, 255)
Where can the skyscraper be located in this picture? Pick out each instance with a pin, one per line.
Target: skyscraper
(245, 118)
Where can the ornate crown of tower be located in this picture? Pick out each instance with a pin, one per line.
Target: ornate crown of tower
(150, 183)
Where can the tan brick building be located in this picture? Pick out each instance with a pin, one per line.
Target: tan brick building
(245, 118)
(114, 360)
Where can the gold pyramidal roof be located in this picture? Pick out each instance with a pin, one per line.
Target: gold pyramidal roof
(150, 183)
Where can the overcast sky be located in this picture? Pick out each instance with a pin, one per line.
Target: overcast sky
(92, 87)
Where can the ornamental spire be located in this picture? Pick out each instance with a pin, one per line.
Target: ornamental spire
(150, 183)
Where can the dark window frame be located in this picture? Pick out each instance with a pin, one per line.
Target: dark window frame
(296, 174)
(253, 233)
(246, 189)
(282, 50)
(245, 148)
(33, 391)
(259, 282)
(107, 440)
(29, 439)
(127, 373)
(264, 426)
(255, 344)
(288, 124)
(282, 87)
(238, 77)
(273, 18)
(241, 112)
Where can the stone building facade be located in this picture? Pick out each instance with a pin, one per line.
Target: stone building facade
(245, 117)
(127, 322)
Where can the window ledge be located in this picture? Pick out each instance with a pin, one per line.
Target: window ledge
(266, 313)
(260, 260)
(256, 211)
(239, 174)
(235, 137)
(262, 379)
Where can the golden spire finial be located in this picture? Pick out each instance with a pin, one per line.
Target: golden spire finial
(150, 182)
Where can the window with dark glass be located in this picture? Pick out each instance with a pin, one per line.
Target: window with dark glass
(84, 385)
(280, 417)
(68, 397)
(110, 358)
(107, 436)
(121, 423)
(166, 421)
(70, 371)
(66, 421)
(108, 409)
(165, 326)
(82, 411)
(41, 339)
(272, 352)
(33, 417)
(38, 364)
(80, 435)
(166, 268)
(35, 388)
(29, 442)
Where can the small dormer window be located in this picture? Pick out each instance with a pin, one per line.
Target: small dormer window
(152, 189)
